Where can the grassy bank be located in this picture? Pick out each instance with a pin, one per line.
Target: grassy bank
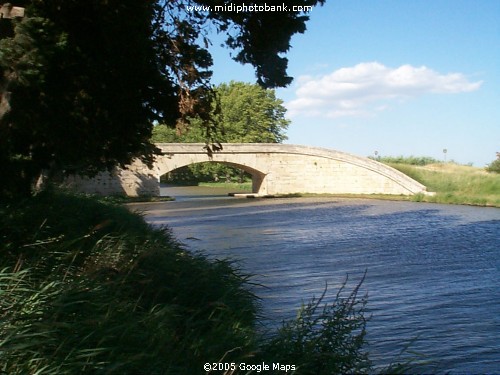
(237, 186)
(88, 287)
(455, 184)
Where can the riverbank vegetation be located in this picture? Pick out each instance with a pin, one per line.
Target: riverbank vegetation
(86, 286)
(454, 183)
(494, 166)
(237, 186)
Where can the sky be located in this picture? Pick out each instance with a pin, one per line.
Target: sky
(393, 77)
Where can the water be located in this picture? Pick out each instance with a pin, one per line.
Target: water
(432, 270)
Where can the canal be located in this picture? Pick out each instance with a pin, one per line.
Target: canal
(432, 271)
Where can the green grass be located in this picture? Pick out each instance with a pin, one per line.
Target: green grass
(245, 186)
(411, 160)
(455, 184)
(86, 286)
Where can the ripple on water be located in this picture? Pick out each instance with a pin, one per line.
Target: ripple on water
(432, 270)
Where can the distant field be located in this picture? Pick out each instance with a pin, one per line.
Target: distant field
(455, 184)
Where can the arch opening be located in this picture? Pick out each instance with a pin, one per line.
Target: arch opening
(191, 174)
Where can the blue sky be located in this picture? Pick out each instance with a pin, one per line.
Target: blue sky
(400, 77)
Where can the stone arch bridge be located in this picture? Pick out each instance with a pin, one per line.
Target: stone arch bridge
(275, 169)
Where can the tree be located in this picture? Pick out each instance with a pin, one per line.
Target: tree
(81, 82)
(248, 113)
(494, 166)
(251, 114)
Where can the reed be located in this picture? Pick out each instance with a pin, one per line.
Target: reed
(325, 338)
(88, 287)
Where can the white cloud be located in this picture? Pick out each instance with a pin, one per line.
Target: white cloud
(364, 89)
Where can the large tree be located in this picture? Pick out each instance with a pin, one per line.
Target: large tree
(81, 82)
(247, 113)
(251, 114)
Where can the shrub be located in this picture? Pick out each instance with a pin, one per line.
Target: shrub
(494, 166)
(325, 338)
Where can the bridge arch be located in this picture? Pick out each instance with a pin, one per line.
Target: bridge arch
(284, 169)
(257, 176)
(275, 169)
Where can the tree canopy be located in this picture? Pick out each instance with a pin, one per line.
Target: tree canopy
(81, 82)
(247, 113)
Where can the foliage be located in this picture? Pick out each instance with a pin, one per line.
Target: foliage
(494, 166)
(452, 183)
(410, 160)
(102, 292)
(248, 114)
(326, 339)
(251, 114)
(76, 96)
(81, 82)
(236, 186)
(456, 184)
(199, 174)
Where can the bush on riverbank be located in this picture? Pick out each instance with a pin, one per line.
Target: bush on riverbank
(331, 349)
(88, 287)
(494, 166)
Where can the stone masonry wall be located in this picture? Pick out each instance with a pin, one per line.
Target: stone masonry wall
(134, 181)
(276, 169)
